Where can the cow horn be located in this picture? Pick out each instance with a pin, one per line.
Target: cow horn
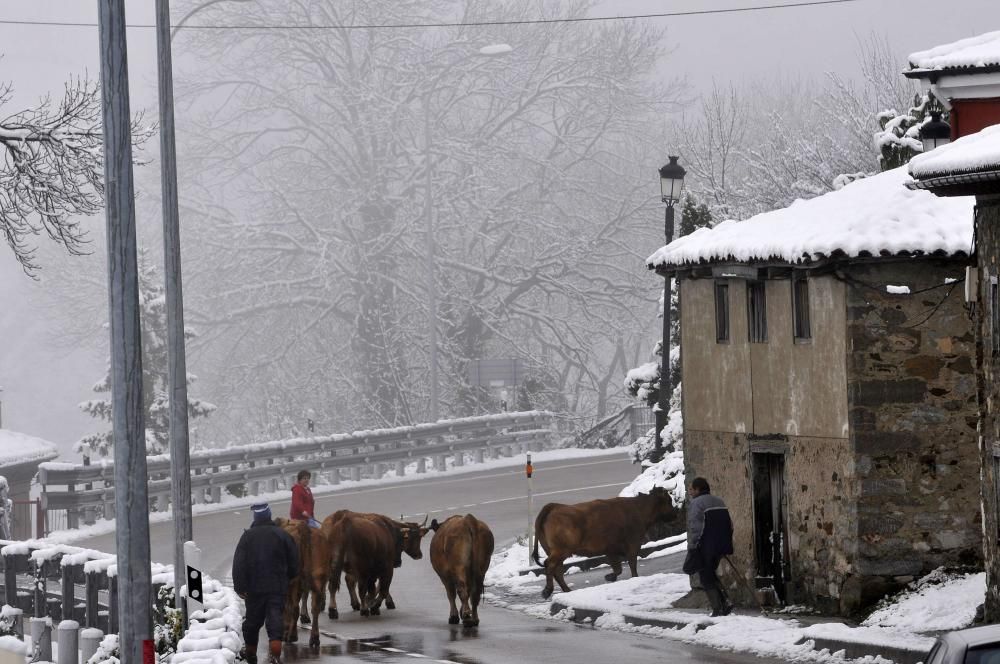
(424, 524)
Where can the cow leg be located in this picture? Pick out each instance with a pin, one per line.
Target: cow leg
(553, 565)
(333, 583)
(633, 566)
(384, 581)
(477, 596)
(304, 606)
(291, 613)
(352, 589)
(463, 594)
(317, 609)
(559, 578)
(389, 603)
(453, 615)
(616, 568)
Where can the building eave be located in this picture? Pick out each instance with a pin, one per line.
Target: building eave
(819, 264)
(980, 183)
(934, 74)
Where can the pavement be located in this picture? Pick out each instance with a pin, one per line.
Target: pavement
(691, 614)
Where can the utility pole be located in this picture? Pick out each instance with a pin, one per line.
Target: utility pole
(180, 449)
(128, 424)
(431, 279)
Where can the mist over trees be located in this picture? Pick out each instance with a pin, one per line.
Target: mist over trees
(321, 164)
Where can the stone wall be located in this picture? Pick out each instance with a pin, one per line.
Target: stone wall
(913, 418)
(819, 502)
(988, 252)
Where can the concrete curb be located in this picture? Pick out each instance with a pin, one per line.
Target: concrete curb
(852, 649)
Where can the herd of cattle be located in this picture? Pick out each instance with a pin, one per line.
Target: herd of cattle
(367, 548)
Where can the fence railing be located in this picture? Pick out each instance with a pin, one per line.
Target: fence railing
(82, 493)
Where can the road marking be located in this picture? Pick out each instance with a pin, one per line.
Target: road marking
(505, 500)
(377, 646)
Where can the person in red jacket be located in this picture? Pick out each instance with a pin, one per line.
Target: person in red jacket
(302, 498)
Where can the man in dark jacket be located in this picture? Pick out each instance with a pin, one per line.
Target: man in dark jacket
(266, 560)
(710, 537)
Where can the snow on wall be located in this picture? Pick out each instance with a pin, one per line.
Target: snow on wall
(870, 215)
(17, 448)
(971, 52)
(969, 154)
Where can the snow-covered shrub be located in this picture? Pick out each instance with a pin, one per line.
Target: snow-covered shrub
(667, 473)
(107, 652)
(168, 622)
(8, 619)
(942, 600)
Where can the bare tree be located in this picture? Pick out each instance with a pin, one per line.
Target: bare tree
(312, 156)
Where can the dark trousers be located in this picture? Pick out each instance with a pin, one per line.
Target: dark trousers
(708, 572)
(263, 610)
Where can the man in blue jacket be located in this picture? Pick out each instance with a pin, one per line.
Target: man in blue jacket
(710, 537)
(266, 560)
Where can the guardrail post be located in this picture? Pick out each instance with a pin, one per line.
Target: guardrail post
(216, 494)
(89, 516)
(41, 639)
(39, 601)
(480, 456)
(113, 604)
(70, 574)
(68, 638)
(440, 463)
(90, 639)
(17, 621)
(92, 608)
(356, 473)
(459, 459)
(422, 465)
(400, 468)
(10, 580)
(335, 477)
(72, 515)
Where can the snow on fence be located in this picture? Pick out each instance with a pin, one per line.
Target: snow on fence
(76, 589)
(86, 492)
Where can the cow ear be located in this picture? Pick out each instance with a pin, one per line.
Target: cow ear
(434, 525)
(405, 532)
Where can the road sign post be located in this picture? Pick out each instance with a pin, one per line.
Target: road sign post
(528, 470)
(193, 576)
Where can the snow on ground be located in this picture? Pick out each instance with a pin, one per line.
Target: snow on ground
(939, 601)
(228, 502)
(16, 447)
(869, 215)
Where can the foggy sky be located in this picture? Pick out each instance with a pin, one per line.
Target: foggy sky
(804, 42)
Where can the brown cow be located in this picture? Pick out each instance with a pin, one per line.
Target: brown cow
(367, 549)
(314, 565)
(460, 554)
(613, 527)
(406, 537)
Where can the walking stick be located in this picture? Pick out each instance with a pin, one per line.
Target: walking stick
(746, 585)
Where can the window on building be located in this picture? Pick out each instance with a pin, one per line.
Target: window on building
(721, 312)
(757, 312)
(800, 308)
(994, 316)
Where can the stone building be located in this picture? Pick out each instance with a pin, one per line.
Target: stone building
(829, 389)
(966, 75)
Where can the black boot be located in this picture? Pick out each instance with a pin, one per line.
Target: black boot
(250, 654)
(720, 607)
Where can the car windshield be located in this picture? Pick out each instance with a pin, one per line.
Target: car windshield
(983, 655)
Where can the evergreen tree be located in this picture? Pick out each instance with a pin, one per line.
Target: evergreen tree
(153, 316)
(898, 138)
(693, 216)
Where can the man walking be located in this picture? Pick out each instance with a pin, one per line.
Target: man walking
(710, 537)
(266, 560)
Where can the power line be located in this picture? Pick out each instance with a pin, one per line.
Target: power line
(380, 26)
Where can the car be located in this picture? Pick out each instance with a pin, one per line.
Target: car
(976, 645)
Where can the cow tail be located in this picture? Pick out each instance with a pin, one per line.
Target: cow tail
(539, 532)
(472, 569)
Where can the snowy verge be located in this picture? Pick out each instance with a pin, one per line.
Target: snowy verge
(105, 526)
(644, 605)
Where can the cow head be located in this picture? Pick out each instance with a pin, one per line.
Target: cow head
(411, 534)
(665, 510)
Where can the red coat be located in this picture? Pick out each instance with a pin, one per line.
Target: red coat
(302, 501)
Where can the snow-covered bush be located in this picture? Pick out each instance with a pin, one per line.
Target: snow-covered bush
(107, 652)
(667, 473)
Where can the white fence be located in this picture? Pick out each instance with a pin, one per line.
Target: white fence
(84, 493)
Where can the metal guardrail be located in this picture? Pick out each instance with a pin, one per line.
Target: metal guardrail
(85, 492)
(596, 561)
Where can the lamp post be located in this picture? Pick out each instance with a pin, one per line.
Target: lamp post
(671, 184)
(935, 133)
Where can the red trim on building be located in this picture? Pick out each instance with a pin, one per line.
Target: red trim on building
(969, 116)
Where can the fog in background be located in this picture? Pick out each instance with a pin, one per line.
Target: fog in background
(304, 169)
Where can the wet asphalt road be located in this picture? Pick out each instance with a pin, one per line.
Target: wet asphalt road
(418, 628)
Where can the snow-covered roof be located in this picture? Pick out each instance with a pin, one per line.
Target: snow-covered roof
(974, 153)
(973, 52)
(17, 448)
(869, 217)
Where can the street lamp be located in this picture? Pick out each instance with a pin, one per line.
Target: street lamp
(935, 133)
(671, 185)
